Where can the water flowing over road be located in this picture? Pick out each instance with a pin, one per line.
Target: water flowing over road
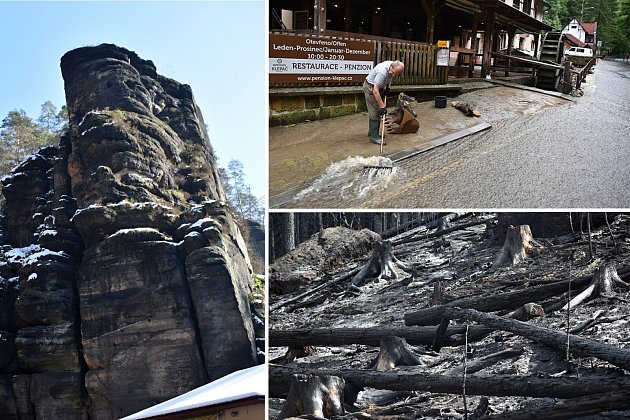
(574, 155)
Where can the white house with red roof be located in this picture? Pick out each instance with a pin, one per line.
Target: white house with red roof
(579, 34)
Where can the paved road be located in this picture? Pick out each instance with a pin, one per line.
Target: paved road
(576, 155)
(572, 156)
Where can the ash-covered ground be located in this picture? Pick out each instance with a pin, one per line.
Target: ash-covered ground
(463, 262)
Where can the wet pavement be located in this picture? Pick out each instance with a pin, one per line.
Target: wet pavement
(541, 152)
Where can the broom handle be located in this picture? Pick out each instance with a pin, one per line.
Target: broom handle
(382, 133)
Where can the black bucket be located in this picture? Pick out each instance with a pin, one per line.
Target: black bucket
(440, 101)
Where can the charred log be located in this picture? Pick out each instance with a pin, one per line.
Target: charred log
(439, 232)
(579, 346)
(597, 318)
(497, 385)
(366, 336)
(483, 362)
(502, 301)
(573, 407)
(309, 292)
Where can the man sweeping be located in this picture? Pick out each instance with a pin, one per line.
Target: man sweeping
(375, 88)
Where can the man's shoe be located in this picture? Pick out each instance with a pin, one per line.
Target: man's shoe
(377, 140)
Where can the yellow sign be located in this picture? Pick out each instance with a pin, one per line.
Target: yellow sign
(443, 44)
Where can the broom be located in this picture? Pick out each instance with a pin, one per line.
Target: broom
(379, 169)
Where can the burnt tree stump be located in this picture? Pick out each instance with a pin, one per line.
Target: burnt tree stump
(293, 353)
(395, 352)
(321, 396)
(379, 266)
(518, 244)
(604, 278)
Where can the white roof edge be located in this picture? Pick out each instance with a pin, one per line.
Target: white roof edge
(239, 385)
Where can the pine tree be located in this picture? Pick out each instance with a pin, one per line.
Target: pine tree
(20, 136)
(239, 193)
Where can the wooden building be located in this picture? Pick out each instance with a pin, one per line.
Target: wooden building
(471, 26)
(400, 30)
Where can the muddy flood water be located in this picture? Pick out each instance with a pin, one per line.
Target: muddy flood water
(541, 152)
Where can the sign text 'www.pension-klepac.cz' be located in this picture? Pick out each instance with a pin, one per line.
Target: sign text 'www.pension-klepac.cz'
(307, 59)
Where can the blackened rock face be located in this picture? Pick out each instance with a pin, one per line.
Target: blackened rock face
(136, 135)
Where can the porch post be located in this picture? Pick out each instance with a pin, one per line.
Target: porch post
(431, 9)
(488, 9)
(536, 42)
(347, 14)
(319, 17)
(474, 44)
(511, 31)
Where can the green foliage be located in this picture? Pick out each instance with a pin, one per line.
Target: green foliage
(612, 17)
(556, 16)
(259, 283)
(21, 136)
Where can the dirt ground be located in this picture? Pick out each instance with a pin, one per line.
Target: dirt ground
(463, 262)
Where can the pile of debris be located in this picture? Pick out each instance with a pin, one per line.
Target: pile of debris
(469, 321)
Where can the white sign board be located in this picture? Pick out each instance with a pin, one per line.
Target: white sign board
(442, 57)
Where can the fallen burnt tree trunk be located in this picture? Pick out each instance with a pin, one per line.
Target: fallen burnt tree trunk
(418, 222)
(495, 385)
(573, 407)
(579, 346)
(510, 300)
(309, 292)
(366, 336)
(476, 365)
(421, 237)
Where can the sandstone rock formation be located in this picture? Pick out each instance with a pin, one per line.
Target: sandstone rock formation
(124, 280)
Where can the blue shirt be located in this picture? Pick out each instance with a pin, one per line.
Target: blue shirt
(380, 75)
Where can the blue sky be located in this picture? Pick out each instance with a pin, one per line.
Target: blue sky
(216, 47)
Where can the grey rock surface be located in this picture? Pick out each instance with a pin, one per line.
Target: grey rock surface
(124, 280)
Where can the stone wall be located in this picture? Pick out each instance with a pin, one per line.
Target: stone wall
(285, 109)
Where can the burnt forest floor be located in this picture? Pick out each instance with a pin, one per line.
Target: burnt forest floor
(463, 262)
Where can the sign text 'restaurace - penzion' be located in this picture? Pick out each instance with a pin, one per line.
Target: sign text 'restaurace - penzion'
(306, 59)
